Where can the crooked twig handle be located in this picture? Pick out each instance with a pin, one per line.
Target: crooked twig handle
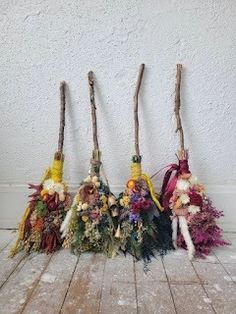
(135, 99)
(93, 109)
(62, 116)
(178, 104)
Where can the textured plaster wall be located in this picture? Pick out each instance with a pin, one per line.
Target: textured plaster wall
(43, 42)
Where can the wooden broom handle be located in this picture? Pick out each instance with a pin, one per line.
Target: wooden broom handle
(178, 104)
(135, 99)
(62, 117)
(93, 109)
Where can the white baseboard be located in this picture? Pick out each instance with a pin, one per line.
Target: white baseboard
(13, 199)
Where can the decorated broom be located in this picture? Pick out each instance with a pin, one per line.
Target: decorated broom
(191, 209)
(88, 225)
(144, 228)
(39, 228)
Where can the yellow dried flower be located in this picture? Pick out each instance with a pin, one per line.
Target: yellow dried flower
(104, 199)
(126, 200)
(84, 218)
(43, 192)
(104, 208)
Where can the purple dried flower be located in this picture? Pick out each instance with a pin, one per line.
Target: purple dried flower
(135, 198)
(134, 217)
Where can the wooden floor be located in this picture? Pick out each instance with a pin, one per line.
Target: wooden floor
(63, 283)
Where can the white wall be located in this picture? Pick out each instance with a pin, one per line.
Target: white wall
(43, 42)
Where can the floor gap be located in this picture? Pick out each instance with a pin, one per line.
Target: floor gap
(72, 275)
(135, 285)
(168, 281)
(202, 285)
(103, 275)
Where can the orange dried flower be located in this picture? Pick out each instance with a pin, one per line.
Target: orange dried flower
(38, 226)
(131, 184)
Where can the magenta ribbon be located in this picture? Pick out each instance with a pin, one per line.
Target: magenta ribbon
(169, 184)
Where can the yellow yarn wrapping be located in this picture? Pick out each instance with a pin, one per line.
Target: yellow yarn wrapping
(136, 173)
(55, 173)
(46, 175)
(21, 230)
(136, 170)
(56, 170)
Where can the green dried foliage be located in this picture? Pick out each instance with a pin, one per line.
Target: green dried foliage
(41, 209)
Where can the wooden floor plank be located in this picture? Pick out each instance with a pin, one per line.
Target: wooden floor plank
(219, 286)
(154, 298)
(5, 237)
(210, 273)
(211, 259)
(231, 237)
(119, 287)
(51, 290)
(86, 286)
(223, 297)
(187, 292)
(226, 254)
(8, 265)
(231, 271)
(219, 280)
(191, 299)
(179, 269)
(18, 288)
(155, 271)
(153, 293)
(32, 284)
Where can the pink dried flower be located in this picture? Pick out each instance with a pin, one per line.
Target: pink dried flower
(205, 233)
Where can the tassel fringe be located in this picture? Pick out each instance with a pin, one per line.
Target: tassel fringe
(21, 231)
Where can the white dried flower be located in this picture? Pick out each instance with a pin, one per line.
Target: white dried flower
(48, 184)
(59, 188)
(184, 198)
(51, 191)
(193, 209)
(182, 185)
(62, 197)
(79, 208)
(84, 206)
(193, 180)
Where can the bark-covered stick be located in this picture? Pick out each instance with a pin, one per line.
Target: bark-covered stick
(136, 121)
(93, 109)
(95, 160)
(178, 104)
(59, 153)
